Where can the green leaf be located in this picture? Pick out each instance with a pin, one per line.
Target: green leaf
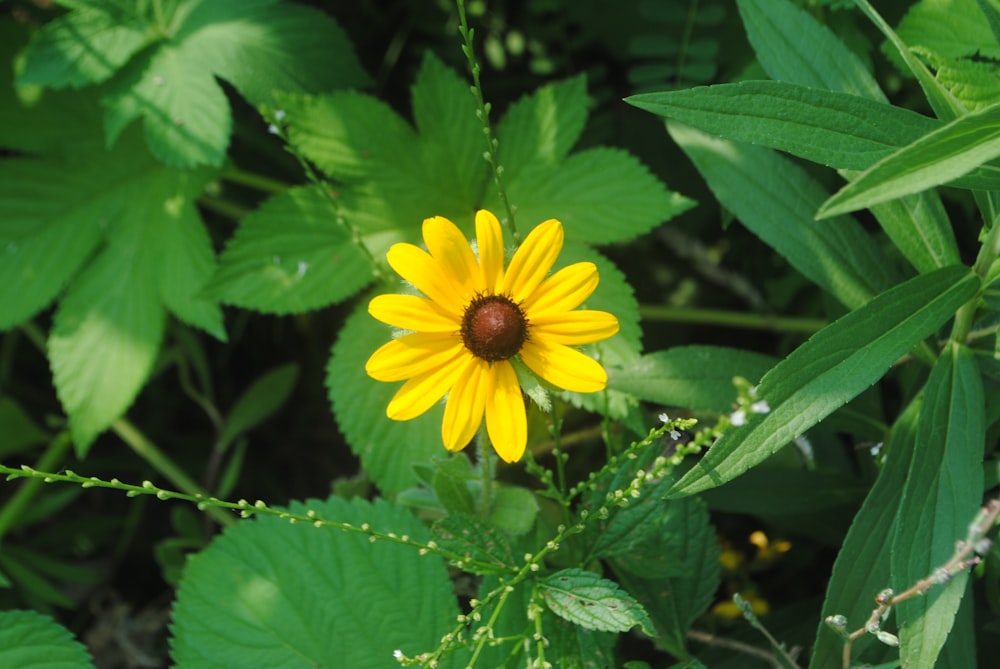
(584, 598)
(542, 127)
(258, 47)
(827, 127)
(514, 509)
(674, 573)
(937, 158)
(105, 339)
(577, 647)
(388, 449)
(601, 195)
(868, 542)
(248, 601)
(450, 483)
(791, 45)
(953, 28)
(919, 227)
(291, 255)
(29, 639)
(777, 200)
(694, 377)
(992, 11)
(833, 366)
(259, 402)
(477, 540)
(86, 46)
(940, 498)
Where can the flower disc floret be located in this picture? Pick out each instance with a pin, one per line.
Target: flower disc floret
(474, 316)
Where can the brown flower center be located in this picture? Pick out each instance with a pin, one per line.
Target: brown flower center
(494, 327)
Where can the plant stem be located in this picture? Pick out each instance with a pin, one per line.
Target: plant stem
(731, 319)
(149, 452)
(234, 174)
(487, 467)
(988, 252)
(51, 459)
(483, 112)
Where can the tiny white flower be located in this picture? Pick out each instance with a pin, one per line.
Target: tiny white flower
(675, 435)
(273, 129)
(738, 417)
(279, 115)
(760, 407)
(664, 418)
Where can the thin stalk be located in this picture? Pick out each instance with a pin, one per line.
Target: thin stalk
(149, 452)
(487, 467)
(52, 458)
(253, 180)
(737, 319)
(988, 252)
(483, 112)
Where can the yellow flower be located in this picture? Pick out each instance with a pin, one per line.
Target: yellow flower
(474, 317)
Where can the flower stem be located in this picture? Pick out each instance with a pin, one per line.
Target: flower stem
(483, 112)
(487, 468)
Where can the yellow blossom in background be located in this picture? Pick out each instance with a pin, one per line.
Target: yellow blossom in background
(474, 316)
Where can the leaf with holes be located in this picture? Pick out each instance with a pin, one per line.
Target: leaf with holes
(476, 539)
(584, 598)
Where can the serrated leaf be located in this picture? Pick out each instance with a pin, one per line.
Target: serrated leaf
(791, 45)
(937, 158)
(832, 367)
(85, 46)
(106, 336)
(450, 482)
(388, 449)
(584, 598)
(674, 573)
(291, 255)
(694, 377)
(258, 47)
(30, 640)
(953, 28)
(543, 126)
(246, 600)
(939, 499)
(577, 647)
(477, 540)
(777, 201)
(601, 195)
(259, 402)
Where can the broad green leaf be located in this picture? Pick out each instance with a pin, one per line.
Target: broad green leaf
(777, 201)
(576, 647)
(451, 135)
(694, 377)
(991, 8)
(868, 542)
(832, 367)
(106, 335)
(267, 593)
(584, 598)
(388, 449)
(542, 127)
(827, 127)
(477, 540)
(293, 254)
(30, 640)
(85, 46)
(959, 649)
(18, 429)
(450, 483)
(259, 402)
(792, 46)
(601, 195)
(676, 572)
(259, 47)
(952, 28)
(937, 158)
(940, 498)
(974, 83)
(514, 509)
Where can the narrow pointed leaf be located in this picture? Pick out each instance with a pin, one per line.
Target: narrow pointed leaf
(940, 498)
(935, 159)
(831, 368)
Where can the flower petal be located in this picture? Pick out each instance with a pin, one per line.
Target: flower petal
(583, 326)
(412, 355)
(506, 420)
(412, 312)
(533, 260)
(563, 291)
(423, 271)
(451, 250)
(464, 412)
(422, 392)
(563, 366)
(489, 237)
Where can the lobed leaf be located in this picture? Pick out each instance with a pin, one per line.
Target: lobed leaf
(833, 366)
